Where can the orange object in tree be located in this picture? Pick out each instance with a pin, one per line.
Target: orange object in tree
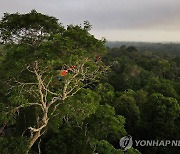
(64, 72)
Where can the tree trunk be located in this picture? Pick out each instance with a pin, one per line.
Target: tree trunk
(38, 132)
(33, 140)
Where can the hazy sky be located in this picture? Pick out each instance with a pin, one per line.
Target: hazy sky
(117, 20)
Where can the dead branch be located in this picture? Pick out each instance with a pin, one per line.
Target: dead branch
(47, 99)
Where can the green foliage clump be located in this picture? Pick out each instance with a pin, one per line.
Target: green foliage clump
(15, 145)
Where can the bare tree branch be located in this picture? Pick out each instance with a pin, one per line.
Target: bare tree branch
(46, 98)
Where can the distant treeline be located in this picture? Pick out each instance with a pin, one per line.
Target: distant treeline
(167, 48)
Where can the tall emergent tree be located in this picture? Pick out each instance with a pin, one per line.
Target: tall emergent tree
(38, 49)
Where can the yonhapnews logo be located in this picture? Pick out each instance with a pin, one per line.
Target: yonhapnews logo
(126, 143)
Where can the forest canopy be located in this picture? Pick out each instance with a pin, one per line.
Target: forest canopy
(63, 91)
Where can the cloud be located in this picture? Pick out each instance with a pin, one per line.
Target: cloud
(106, 15)
(138, 35)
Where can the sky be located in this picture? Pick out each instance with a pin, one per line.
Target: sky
(115, 20)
